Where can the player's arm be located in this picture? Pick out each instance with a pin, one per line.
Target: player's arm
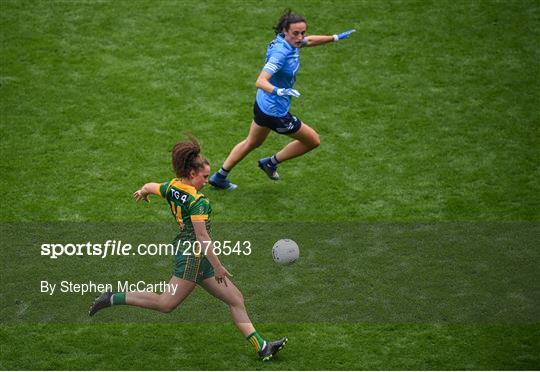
(204, 239)
(263, 82)
(314, 40)
(147, 189)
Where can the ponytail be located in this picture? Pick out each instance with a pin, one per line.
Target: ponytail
(186, 156)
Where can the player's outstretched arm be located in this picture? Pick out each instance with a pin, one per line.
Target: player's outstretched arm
(314, 40)
(147, 189)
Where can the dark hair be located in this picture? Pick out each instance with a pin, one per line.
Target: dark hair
(286, 20)
(186, 156)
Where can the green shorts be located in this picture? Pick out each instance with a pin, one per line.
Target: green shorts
(193, 268)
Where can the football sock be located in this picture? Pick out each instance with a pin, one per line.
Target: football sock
(274, 161)
(223, 172)
(118, 298)
(257, 341)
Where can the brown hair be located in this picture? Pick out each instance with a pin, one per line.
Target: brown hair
(186, 156)
(286, 20)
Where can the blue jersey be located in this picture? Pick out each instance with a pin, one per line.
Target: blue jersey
(282, 61)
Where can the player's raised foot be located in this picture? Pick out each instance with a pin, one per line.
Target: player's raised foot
(221, 182)
(101, 302)
(271, 348)
(269, 169)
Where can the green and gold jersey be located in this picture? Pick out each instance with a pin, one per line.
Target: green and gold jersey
(186, 205)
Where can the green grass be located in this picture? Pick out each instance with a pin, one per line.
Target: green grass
(311, 347)
(429, 112)
(417, 217)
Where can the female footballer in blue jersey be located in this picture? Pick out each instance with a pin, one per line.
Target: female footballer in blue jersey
(191, 210)
(271, 109)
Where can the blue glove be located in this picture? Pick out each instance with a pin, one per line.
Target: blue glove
(287, 92)
(343, 35)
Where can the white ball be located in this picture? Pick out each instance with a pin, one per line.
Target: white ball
(285, 251)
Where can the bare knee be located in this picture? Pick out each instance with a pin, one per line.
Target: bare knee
(237, 300)
(316, 140)
(166, 306)
(309, 137)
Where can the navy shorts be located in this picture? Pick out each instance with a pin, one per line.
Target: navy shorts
(280, 124)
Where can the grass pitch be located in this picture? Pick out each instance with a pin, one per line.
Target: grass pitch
(417, 217)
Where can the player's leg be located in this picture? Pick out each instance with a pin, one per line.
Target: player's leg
(232, 296)
(165, 302)
(305, 140)
(256, 137)
(179, 290)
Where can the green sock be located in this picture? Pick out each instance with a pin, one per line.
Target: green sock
(119, 298)
(256, 340)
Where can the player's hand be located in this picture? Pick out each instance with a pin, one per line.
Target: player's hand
(288, 92)
(343, 35)
(140, 195)
(221, 274)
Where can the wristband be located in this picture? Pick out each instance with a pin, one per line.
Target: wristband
(274, 91)
(336, 38)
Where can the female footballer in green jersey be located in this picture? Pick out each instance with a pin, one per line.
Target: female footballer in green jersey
(192, 211)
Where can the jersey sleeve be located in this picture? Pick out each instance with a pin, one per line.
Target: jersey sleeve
(275, 62)
(200, 209)
(163, 189)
